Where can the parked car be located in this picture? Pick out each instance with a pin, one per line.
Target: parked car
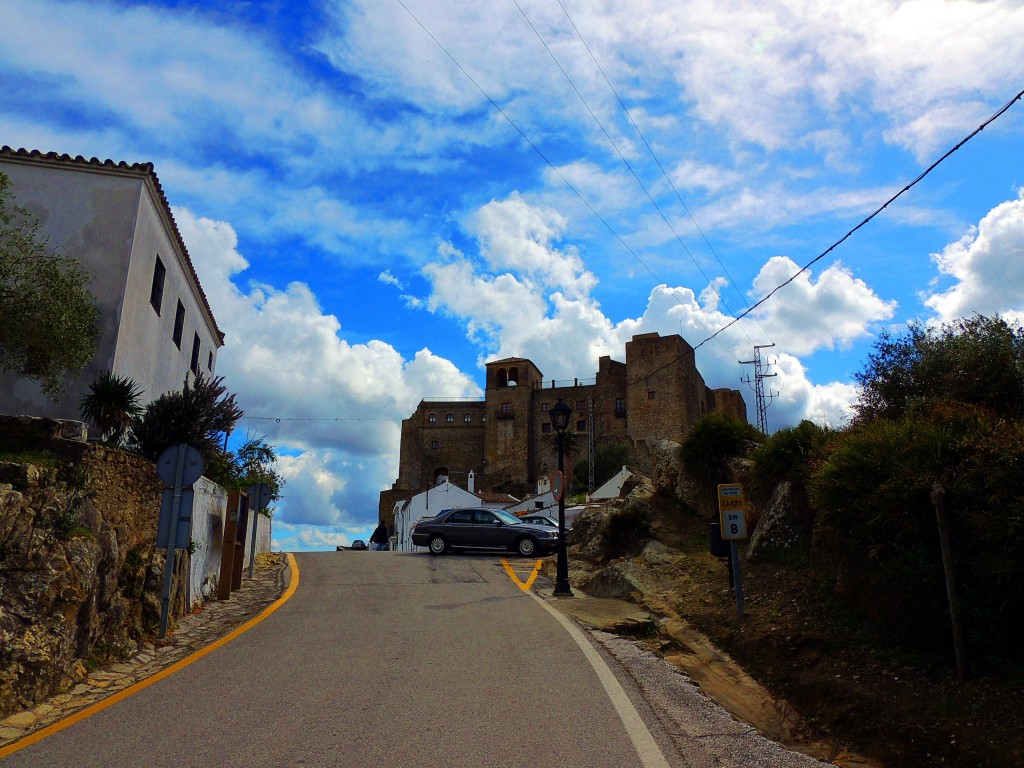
(358, 544)
(476, 528)
(544, 520)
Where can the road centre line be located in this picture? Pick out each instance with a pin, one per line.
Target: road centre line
(109, 701)
(523, 585)
(646, 747)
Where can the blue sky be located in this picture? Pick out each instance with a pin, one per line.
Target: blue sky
(370, 228)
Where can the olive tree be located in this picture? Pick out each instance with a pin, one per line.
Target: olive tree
(48, 317)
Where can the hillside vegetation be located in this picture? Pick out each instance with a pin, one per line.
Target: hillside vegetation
(933, 457)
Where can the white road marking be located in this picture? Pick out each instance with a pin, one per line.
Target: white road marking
(646, 747)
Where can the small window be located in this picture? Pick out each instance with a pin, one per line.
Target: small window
(209, 362)
(179, 324)
(544, 407)
(581, 405)
(650, 394)
(581, 426)
(546, 427)
(467, 417)
(483, 417)
(194, 365)
(434, 445)
(620, 406)
(156, 292)
(449, 418)
(432, 418)
(506, 409)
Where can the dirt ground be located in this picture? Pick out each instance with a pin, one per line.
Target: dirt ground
(853, 687)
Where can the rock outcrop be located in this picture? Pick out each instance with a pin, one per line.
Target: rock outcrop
(77, 566)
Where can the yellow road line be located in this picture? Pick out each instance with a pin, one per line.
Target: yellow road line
(99, 706)
(523, 585)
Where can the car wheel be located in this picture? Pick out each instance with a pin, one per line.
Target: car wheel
(527, 546)
(438, 545)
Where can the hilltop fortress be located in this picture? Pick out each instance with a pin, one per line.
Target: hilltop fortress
(505, 442)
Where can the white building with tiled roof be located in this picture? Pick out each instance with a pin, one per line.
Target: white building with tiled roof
(156, 324)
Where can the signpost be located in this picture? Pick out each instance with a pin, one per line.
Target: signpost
(178, 466)
(259, 497)
(733, 523)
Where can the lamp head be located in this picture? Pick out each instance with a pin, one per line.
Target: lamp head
(559, 415)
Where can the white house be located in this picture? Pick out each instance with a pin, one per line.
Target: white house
(612, 488)
(156, 325)
(444, 495)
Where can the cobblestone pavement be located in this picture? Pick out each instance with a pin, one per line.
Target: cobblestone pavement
(192, 633)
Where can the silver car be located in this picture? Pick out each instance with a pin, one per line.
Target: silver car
(478, 528)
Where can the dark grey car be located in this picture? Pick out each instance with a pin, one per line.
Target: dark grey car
(478, 528)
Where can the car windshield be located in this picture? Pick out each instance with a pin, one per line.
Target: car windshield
(506, 517)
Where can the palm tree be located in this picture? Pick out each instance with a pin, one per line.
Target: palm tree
(111, 404)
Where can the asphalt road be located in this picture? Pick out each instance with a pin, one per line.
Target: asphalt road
(407, 660)
(377, 660)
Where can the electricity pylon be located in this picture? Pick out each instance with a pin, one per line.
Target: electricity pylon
(758, 386)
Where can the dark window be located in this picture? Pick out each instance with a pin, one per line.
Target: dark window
(194, 365)
(450, 418)
(650, 394)
(581, 405)
(432, 418)
(620, 406)
(483, 517)
(156, 293)
(434, 445)
(209, 362)
(581, 426)
(179, 324)
(545, 427)
(506, 409)
(462, 516)
(467, 417)
(502, 377)
(483, 417)
(544, 407)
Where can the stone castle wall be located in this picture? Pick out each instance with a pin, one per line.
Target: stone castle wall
(652, 398)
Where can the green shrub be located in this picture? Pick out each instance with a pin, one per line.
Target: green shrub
(876, 528)
(711, 443)
(787, 456)
(626, 531)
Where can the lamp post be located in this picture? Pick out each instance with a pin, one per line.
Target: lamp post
(559, 415)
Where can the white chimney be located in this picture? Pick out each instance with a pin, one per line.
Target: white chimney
(470, 481)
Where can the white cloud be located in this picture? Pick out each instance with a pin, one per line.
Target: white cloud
(806, 315)
(332, 407)
(987, 265)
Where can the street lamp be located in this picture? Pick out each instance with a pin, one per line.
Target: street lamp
(560, 414)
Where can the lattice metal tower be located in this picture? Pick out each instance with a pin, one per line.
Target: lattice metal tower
(590, 436)
(758, 385)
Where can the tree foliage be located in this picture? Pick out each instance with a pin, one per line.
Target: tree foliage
(977, 361)
(713, 440)
(253, 462)
(876, 530)
(111, 404)
(197, 415)
(48, 318)
(787, 456)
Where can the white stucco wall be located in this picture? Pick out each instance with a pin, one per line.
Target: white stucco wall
(112, 219)
(427, 504)
(209, 508)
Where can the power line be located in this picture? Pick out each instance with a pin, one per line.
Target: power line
(664, 173)
(540, 154)
(885, 205)
(625, 162)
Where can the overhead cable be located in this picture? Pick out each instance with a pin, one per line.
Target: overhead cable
(885, 205)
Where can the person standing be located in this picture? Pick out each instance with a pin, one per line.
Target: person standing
(379, 538)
